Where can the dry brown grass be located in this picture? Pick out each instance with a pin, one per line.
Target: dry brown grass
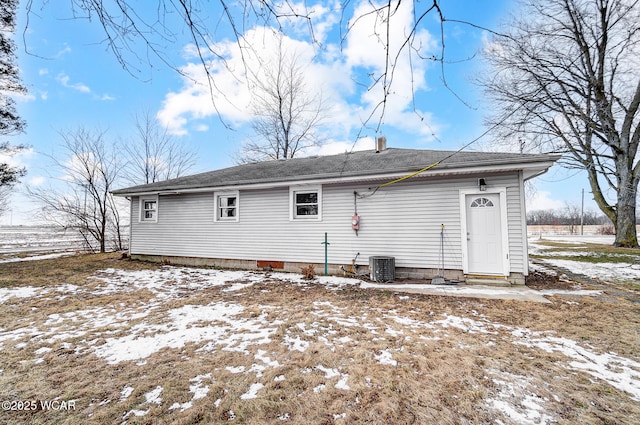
(454, 355)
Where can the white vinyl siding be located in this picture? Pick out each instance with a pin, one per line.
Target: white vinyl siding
(403, 220)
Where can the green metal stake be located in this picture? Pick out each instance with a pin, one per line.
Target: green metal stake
(326, 254)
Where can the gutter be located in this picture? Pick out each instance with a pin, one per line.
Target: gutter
(537, 168)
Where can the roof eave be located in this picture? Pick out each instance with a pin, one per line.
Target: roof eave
(530, 168)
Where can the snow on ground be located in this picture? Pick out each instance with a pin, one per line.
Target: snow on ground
(223, 325)
(21, 239)
(37, 257)
(609, 271)
(604, 271)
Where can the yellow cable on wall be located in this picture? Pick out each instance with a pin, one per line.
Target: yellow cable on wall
(410, 175)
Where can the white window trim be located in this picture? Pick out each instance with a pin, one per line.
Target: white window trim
(141, 217)
(216, 200)
(292, 203)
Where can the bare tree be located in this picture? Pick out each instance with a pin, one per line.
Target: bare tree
(88, 170)
(139, 33)
(573, 213)
(565, 79)
(286, 112)
(154, 154)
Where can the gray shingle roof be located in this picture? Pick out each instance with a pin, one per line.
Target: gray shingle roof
(361, 163)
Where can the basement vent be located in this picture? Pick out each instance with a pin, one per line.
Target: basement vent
(383, 269)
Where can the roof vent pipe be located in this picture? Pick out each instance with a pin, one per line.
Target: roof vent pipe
(381, 144)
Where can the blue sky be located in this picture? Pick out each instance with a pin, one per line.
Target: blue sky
(74, 80)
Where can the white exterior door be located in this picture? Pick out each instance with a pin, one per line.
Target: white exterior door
(484, 234)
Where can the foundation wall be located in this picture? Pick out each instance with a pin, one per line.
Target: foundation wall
(419, 274)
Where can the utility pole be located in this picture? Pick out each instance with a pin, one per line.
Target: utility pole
(582, 215)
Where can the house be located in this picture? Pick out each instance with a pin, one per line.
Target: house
(426, 210)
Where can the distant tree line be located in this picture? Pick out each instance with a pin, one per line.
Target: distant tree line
(571, 216)
(565, 217)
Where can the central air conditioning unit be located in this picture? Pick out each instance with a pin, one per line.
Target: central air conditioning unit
(382, 269)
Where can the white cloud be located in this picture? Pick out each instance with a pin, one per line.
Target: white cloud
(36, 181)
(405, 71)
(62, 52)
(337, 147)
(64, 80)
(230, 95)
(80, 167)
(542, 200)
(16, 158)
(322, 17)
(337, 73)
(23, 97)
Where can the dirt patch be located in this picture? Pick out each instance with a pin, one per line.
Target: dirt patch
(540, 281)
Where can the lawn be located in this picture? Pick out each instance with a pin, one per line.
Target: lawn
(98, 339)
(613, 266)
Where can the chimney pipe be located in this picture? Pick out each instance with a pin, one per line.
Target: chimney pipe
(381, 144)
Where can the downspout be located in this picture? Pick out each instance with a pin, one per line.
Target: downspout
(523, 217)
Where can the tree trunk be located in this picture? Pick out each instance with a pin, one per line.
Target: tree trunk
(625, 223)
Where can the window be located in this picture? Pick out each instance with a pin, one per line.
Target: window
(227, 206)
(306, 203)
(481, 203)
(149, 209)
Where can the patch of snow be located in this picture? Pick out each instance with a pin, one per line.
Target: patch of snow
(252, 392)
(153, 396)
(393, 332)
(235, 369)
(37, 257)
(319, 388)
(328, 372)
(126, 392)
(386, 358)
(330, 282)
(42, 350)
(136, 412)
(18, 292)
(296, 343)
(595, 239)
(237, 287)
(260, 355)
(619, 372)
(197, 389)
(465, 324)
(519, 404)
(183, 279)
(342, 383)
(602, 271)
(185, 324)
